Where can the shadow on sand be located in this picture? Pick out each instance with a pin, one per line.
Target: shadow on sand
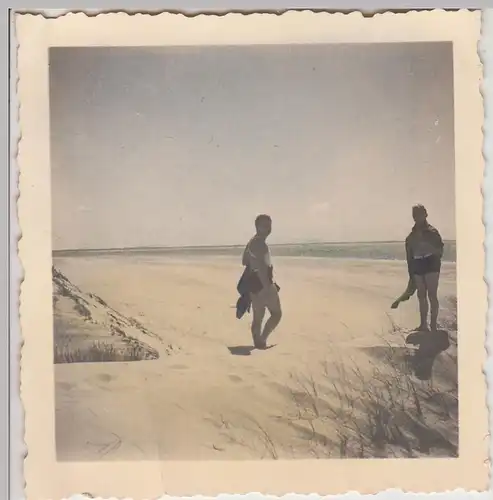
(241, 350)
(246, 350)
(421, 358)
(429, 345)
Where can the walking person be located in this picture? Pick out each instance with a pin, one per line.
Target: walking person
(257, 260)
(424, 251)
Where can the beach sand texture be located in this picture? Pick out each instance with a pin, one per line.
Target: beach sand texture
(199, 391)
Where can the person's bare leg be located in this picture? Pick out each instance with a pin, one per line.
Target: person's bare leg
(274, 307)
(432, 280)
(423, 302)
(271, 324)
(258, 311)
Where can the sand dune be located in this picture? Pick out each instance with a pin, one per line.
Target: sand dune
(338, 364)
(85, 326)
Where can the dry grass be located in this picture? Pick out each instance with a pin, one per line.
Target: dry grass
(379, 416)
(384, 408)
(101, 352)
(93, 310)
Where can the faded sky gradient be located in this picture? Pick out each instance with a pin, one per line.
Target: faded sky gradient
(185, 146)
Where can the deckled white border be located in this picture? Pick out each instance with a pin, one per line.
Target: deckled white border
(488, 186)
(485, 51)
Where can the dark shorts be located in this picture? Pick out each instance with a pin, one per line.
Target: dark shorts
(427, 265)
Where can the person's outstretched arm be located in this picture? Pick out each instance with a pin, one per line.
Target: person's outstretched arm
(408, 293)
(411, 287)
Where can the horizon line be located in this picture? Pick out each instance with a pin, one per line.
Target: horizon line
(237, 245)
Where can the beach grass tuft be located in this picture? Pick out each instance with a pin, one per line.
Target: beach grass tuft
(101, 352)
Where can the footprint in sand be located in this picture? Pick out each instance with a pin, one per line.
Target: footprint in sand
(179, 367)
(235, 378)
(104, 377)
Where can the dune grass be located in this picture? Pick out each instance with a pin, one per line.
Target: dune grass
(383, 410)
(125, 347)
(101, 352)
(385, 415)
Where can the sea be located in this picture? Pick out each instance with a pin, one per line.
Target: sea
(386, 250)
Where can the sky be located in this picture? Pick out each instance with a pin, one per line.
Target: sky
(181, 146)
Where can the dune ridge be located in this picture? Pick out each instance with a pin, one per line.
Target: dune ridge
(85, 326)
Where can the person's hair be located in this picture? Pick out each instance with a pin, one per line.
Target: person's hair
(420, 208)
(262, 218)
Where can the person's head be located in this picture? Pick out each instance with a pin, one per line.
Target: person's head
(419, 214)
(263, 225)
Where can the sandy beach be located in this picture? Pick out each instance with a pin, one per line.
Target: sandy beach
(204, 393)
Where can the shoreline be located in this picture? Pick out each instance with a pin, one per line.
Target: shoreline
(371, 251)
(177, 256)
(165, 248)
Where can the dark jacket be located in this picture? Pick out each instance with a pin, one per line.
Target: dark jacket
(248, 283)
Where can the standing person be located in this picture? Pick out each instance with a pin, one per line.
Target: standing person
(257, 260)
(424, 251)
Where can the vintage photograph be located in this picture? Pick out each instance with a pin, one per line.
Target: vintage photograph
(254, 252)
